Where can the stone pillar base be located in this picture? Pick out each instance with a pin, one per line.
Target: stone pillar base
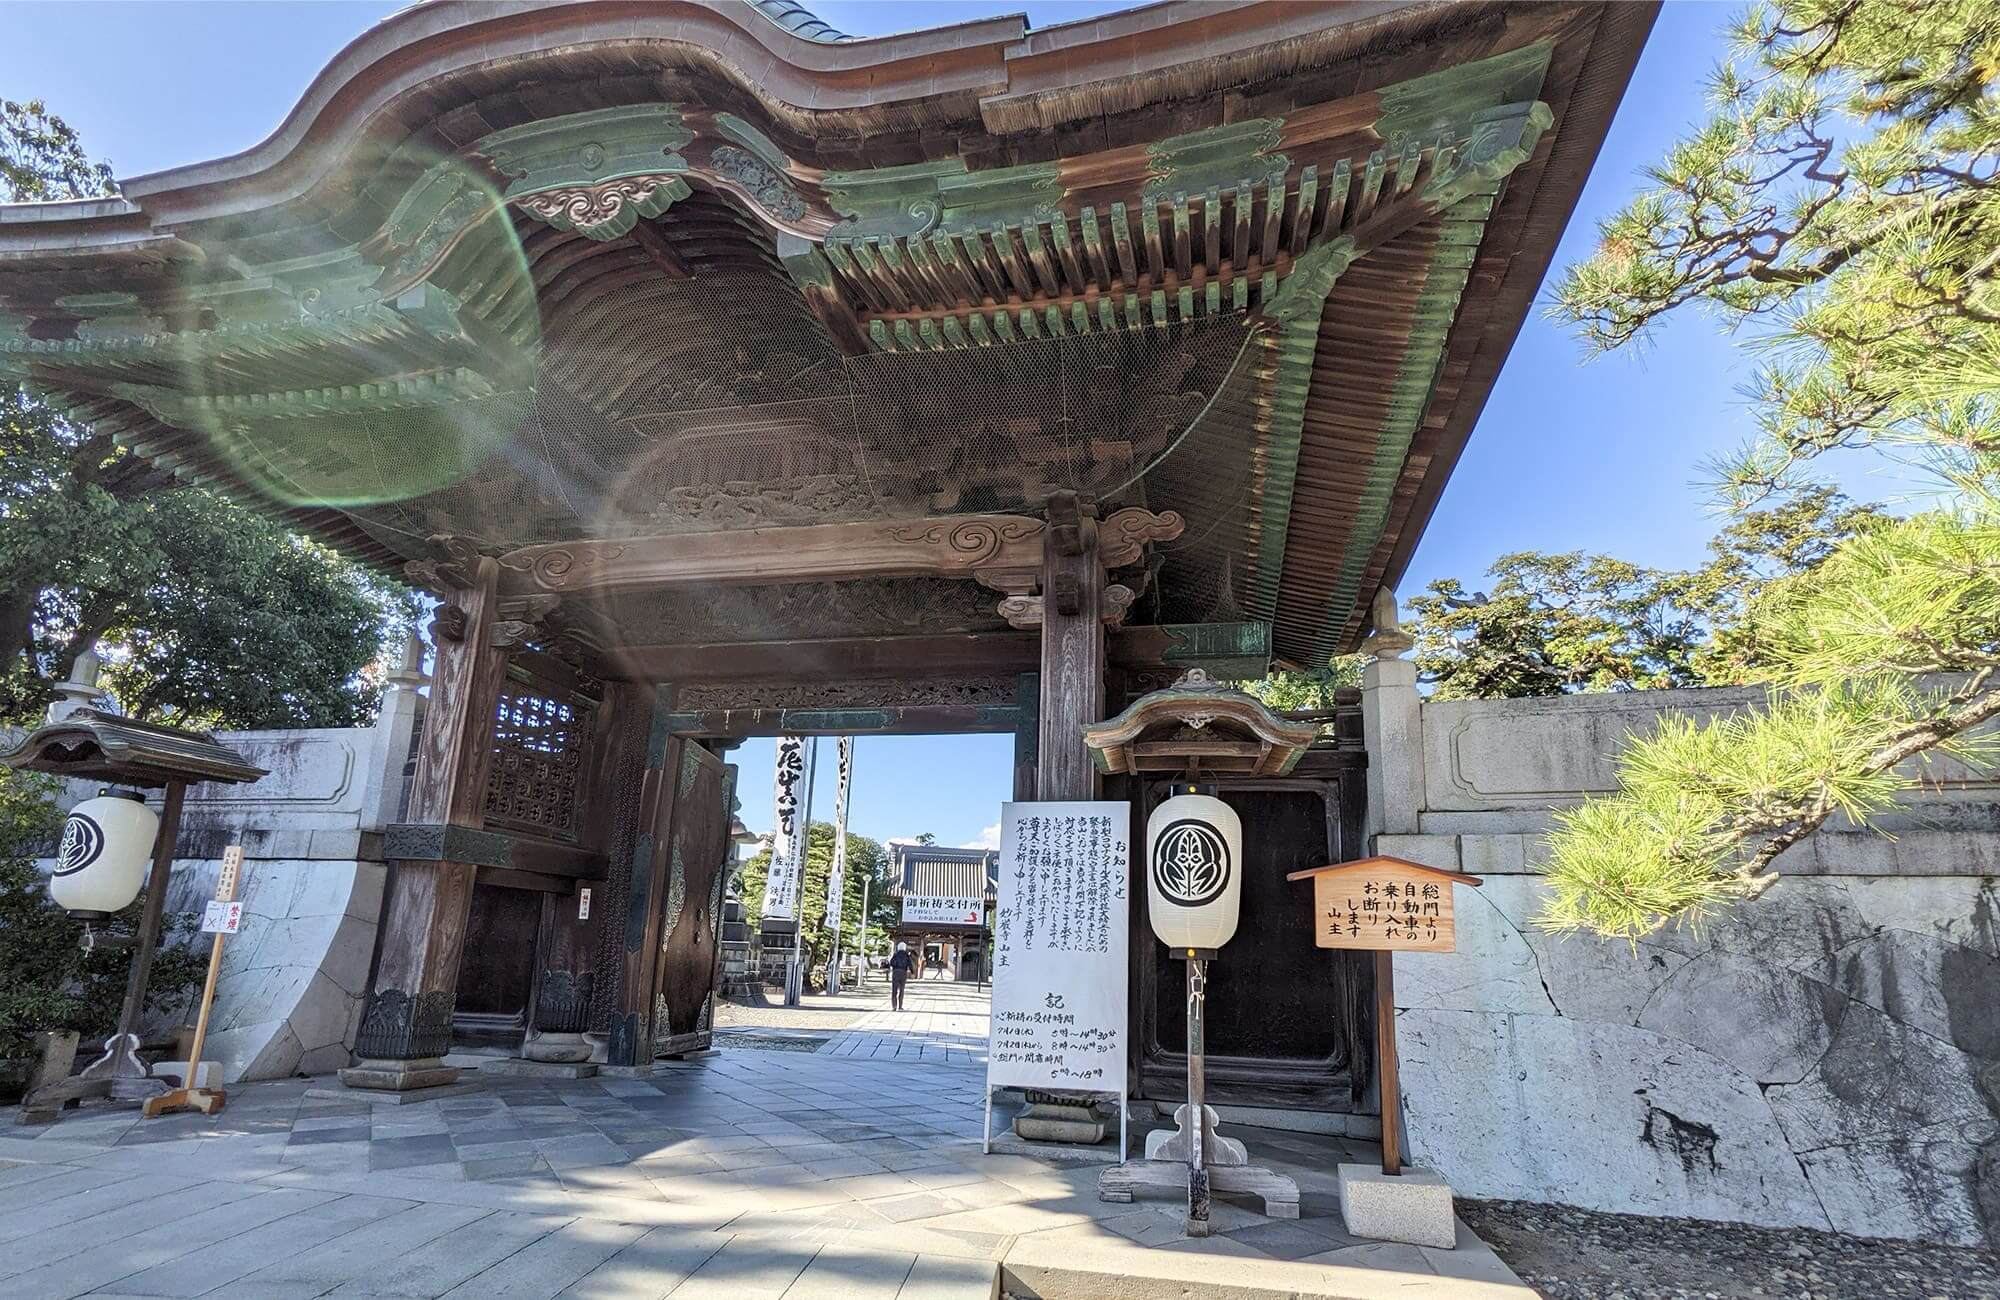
(399, 1076)
(1048, 1121)
(524, 1068)
(556, 1048)
(1413, 1206)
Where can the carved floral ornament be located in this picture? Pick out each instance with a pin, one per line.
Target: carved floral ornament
(608, 210)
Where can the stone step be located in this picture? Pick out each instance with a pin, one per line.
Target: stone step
(1065, 1267)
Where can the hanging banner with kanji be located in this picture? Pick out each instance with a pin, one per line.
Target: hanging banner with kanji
(836, 880)
(788, 834)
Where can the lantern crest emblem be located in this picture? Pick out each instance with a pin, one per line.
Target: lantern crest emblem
(82, 844)
(1191, 863)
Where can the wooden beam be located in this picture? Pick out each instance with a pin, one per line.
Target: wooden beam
(1072, 657)
(1227, 650)
(653, 242)
(888, 720)
(993, 548)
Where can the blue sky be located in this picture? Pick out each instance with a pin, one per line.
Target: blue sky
(1570, 453)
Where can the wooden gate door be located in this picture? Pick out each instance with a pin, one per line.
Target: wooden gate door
(674, 915)
(1287, 1021)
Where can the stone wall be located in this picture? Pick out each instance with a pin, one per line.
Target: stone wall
(293, 979)
(1827, 1055)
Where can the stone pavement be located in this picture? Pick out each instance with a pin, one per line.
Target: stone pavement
(747, 1174)
(941, 1020)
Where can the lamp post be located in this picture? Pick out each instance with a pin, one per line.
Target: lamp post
(1195, 889)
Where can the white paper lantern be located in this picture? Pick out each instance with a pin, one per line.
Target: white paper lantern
(1194, 877)
(101, 860)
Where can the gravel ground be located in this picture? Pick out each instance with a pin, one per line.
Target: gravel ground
(1569, 1254)
(816, 1011)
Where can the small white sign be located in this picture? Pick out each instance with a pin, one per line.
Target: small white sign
(583, 904)
(933, 909)
(221, 918)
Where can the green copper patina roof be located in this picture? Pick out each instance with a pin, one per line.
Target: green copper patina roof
(626, 284)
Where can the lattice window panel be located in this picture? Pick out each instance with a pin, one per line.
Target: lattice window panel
(538, 747)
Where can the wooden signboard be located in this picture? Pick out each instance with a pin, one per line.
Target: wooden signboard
(1385, 905)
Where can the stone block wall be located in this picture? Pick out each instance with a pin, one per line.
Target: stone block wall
(294, 978)
(1827, 1055)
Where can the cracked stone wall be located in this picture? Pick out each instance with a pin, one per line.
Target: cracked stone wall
(1827, 1055)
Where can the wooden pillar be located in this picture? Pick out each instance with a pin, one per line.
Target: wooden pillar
(1027, 732)
(428, 900)
(1072, 676)
(632, 1009)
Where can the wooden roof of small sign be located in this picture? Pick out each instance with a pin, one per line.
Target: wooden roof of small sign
(105, 746)
(1384, 903)
(1198, 724)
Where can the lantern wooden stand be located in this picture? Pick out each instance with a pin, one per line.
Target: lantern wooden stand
(92, 745)
(1194, 843)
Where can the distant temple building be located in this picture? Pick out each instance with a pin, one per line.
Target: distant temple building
(945, 899)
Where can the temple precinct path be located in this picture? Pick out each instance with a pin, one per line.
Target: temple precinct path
(845, 1168)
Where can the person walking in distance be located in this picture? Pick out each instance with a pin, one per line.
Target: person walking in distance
(900, 966)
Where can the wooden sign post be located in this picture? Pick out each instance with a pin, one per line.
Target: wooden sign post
(1385, 905)
(222, 917)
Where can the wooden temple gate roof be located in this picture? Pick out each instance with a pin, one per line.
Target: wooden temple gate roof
(580, 283)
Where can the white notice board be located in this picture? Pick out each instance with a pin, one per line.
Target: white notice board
(1059, 942)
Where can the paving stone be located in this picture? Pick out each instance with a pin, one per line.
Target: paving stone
(935, 1277)
(747, 1268)
(405, 1152)
(316, 1271)
(550, 1264)
(648, 1268)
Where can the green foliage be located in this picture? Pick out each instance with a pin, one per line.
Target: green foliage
(866, 860)
(1557, 623)
(42, 160)
(1552, 624)
(1293, 689)
(1574, 622)
(210, 616)
(1842, 209)
(46, 980)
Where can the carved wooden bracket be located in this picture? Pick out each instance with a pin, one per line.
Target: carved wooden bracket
(1072, 525)
(522, 619)
(452, 566)
(1026, 612)
(1122, 538)
(448, 624)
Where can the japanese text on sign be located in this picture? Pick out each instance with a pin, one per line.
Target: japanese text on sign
(790, 783)
(1388, 907)
(221, 918)
(942, 909)
(1059, 975)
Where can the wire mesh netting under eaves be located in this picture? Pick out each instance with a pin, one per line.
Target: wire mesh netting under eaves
(718, 402)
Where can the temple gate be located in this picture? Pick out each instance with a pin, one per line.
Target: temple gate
(718, 375)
